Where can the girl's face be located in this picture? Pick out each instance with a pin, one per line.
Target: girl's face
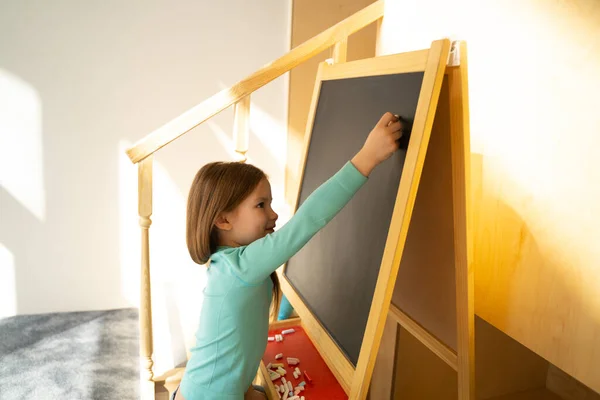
(251, 220)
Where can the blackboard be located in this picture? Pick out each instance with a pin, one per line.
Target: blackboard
(336, 272)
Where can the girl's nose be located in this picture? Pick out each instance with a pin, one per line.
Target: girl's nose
(275, 216)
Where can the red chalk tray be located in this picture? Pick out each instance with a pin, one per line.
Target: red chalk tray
(324, 386)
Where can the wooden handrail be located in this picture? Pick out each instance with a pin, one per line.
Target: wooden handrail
(225, 98)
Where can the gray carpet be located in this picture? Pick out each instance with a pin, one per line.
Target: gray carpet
(76, 356)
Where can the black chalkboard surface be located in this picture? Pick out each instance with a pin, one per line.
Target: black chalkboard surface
(336, 272)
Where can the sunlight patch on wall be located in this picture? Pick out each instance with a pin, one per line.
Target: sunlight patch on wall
(270, 132)
(226, 142)
(21, 162)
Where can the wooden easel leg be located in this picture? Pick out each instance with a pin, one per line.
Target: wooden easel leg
(382, 382)
(461, 153)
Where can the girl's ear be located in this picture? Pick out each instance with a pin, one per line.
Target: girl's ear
(223, 223)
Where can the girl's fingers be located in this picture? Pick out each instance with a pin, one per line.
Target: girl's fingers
(395, 126)
(386, 119)
(397, 135)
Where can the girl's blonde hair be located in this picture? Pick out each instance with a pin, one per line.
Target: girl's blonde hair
(219, 187)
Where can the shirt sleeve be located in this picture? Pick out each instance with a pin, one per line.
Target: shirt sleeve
(255, 262)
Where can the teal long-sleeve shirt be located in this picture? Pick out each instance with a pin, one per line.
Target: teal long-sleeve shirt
(234, 321)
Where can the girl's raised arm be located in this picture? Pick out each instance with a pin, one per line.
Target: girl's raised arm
(255, 262)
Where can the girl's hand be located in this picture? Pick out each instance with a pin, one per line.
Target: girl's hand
(381, 143)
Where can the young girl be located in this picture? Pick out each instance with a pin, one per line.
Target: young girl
(230, 223)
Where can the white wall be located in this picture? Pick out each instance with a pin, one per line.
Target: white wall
(79, 83)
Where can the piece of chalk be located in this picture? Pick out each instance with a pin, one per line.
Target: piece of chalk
(274, 376)
(307, 377)
(290, 386)
(276, 365)
(287, 331)
(271, 339)
(278, 356)
(302, 383)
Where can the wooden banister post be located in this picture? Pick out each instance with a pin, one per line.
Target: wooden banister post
(340, 50)
(145, 311)
(241, 127)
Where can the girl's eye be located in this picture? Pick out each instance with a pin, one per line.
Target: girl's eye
(261, 205)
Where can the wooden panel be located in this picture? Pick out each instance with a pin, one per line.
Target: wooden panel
(420, 374)
(505, 369)
(438, 348)
(535, 394)
(537, 254)
(567, 387)
(309, 18)
(415, 61)
(382, 382)
(530, 292)
(504, 366)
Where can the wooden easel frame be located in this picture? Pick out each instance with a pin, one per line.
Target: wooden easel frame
(433, 62)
